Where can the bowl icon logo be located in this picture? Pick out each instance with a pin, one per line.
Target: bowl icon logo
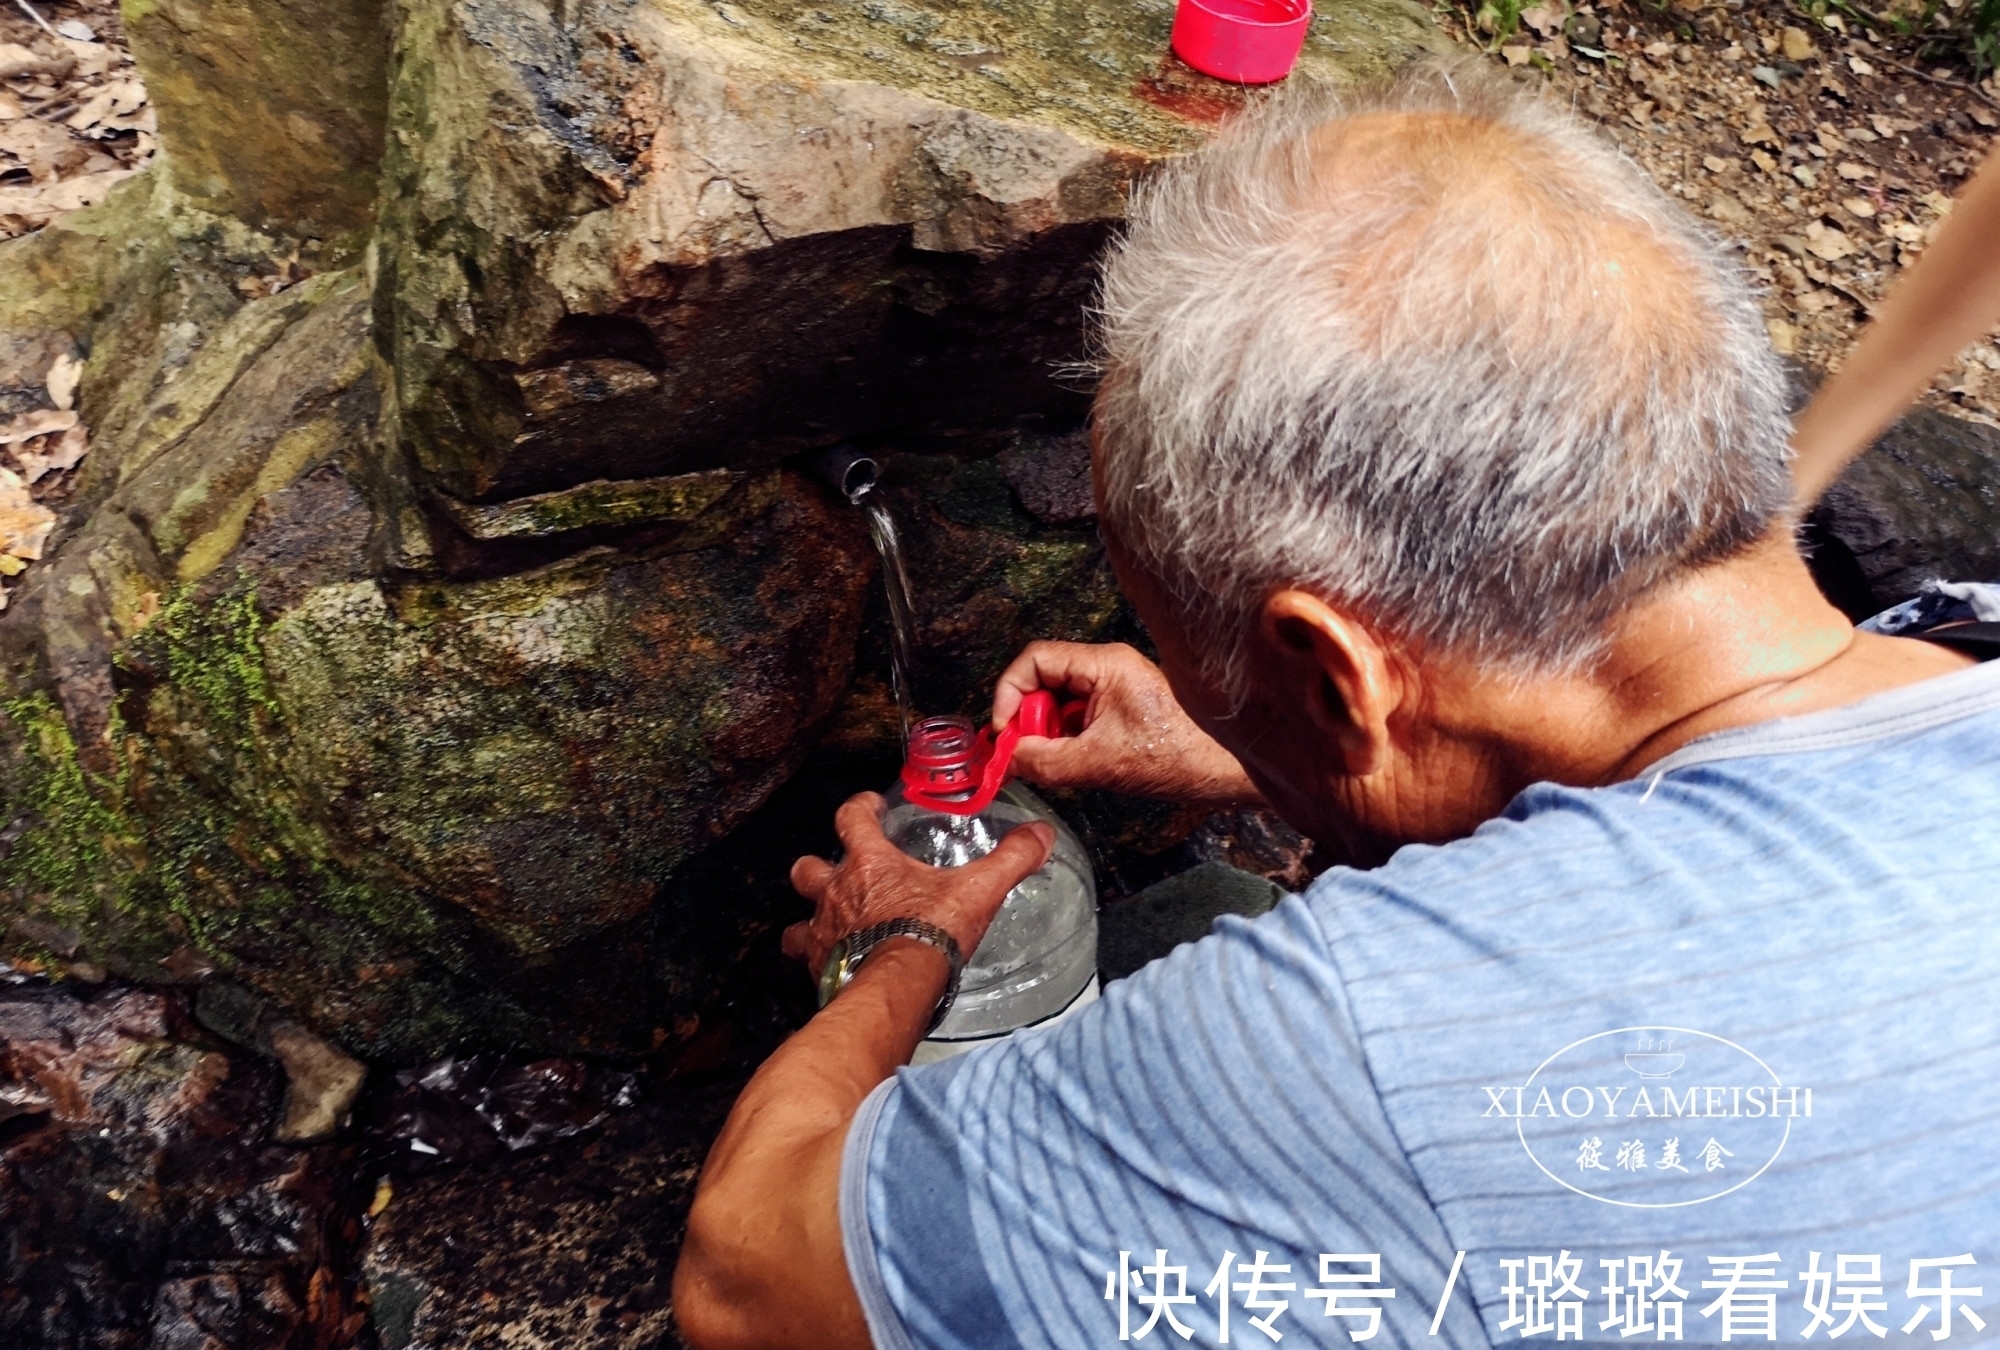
(1654, 1059)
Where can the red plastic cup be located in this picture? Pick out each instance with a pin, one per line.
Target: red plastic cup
(1242, 41)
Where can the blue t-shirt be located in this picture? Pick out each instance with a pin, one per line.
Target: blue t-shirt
(1711, 1055)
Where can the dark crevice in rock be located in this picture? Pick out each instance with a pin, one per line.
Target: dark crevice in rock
(1923, 504)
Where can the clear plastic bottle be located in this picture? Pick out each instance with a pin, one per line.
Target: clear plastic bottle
(1038, 960)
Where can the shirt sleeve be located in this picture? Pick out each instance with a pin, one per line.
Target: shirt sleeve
(1217, 1104)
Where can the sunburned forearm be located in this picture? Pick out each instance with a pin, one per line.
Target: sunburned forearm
(1947, 300)
(762, 1264)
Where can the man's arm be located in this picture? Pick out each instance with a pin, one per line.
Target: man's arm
(1947, 300)
(762, 1264)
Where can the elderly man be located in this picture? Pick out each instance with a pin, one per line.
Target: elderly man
(1445, 461)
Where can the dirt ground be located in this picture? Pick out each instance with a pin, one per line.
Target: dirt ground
(1823, 151)
(1817, 145)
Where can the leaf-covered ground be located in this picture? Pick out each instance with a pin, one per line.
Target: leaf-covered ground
(74, 118)
(1823, 148)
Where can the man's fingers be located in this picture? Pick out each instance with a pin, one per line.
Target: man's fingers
(858, 822)
(797, 940)
(810, 876)
(1075, 666)
(1019, 855)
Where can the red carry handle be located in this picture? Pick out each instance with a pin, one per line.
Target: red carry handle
(993, 757)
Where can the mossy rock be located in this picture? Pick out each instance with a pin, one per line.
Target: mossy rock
(434, 595)
(785, 222)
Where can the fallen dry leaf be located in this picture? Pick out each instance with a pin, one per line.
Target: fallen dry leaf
(146, 120)
(1859, 206)
(1784, 336)
(147, 610)
(42, 422)
(1796, 45)
(1729, 210)
(1853, 172)
(1516, 56)
(92, 58)
(118, 99)
(54, 454)
(49, 152)
(1859, 67)
(1764, 161)
(1823, 241)
(24, 522)
(65, 373)
(1542, 19)
(42, 202)
(16, 60)
(1717, 164)
(1904, 231)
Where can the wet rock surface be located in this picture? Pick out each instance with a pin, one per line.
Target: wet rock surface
(146, 1203)
(143, 1201)
(1924, 504)
(448, 1263)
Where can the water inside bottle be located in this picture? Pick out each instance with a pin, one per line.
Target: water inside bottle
(1041, 949)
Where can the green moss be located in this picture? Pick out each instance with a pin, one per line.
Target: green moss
(68, 850)
(199, 838)
(212, 651)
(597, 504)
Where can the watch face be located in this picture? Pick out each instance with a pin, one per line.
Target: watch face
(834, 974)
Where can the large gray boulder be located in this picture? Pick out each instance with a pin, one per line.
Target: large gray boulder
(435, 587)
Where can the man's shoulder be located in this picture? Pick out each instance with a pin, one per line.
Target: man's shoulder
(1808, 856)
(1901, 776)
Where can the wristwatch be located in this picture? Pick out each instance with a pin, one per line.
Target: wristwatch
(848, 954)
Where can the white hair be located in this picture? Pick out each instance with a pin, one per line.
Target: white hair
(1439, 355)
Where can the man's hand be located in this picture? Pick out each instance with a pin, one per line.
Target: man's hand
(1136, 739)
(762, 1267)
(877, 881)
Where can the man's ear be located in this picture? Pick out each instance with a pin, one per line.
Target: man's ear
(1339, 671)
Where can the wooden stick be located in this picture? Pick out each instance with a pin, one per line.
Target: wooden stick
(32, 13)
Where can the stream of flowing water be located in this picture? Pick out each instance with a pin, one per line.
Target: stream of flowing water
(896, 583)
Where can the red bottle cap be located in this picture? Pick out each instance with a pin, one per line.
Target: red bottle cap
(950, 768)
(1243, 41)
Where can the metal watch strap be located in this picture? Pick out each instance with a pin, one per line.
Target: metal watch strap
(848, 954)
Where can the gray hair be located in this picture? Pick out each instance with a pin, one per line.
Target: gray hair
(1485, 386)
